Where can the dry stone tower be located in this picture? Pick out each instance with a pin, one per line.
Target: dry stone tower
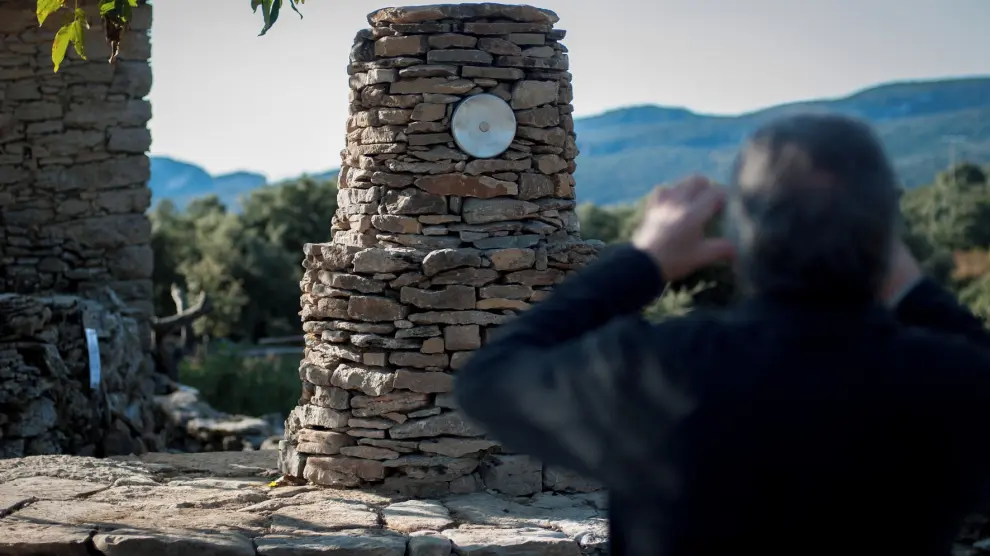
(456, 212)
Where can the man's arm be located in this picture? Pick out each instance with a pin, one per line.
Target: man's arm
(560, 381)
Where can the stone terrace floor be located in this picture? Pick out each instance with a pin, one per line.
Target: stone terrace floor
(221, 504)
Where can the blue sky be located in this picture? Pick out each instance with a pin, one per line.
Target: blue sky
(228, 100)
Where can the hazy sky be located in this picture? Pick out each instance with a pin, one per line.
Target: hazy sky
(228, 100)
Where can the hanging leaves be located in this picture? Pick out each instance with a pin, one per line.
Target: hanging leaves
(270, 10)
(47, 8)
(72, 32)
(116, 16)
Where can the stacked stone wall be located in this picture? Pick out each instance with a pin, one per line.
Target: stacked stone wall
(432, 249)
(73, 168)
(47, 404)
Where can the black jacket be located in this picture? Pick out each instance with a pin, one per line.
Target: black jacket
(768, 428)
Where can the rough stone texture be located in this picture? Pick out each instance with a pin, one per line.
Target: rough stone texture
(432, 249)
(48, 406)
(73, 192)
(73, 168)
(222, 504)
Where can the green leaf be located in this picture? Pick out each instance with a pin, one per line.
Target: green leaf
(292, 4)
(132, 3)
(107, 6)
(47, 8)
(254, 5)
(61, 44)
(270, 10)
(77, 32)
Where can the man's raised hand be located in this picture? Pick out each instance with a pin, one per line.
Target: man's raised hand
(673, 228)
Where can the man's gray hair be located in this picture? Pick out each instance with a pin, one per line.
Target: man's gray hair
(813, 209)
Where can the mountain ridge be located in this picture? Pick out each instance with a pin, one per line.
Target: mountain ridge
(625, 151)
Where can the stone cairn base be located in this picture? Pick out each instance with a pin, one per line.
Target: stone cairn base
(432, 249)
(46, 403)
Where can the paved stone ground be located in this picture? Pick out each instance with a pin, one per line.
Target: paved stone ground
(221, 504)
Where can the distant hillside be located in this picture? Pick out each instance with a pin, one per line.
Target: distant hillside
(625, 152)
(182, 182)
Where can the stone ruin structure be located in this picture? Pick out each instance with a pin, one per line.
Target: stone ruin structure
(74, 240)
(433, 249)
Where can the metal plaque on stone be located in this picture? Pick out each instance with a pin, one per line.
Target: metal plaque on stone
(483, 126)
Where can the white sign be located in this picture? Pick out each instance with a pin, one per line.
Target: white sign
(94, 358)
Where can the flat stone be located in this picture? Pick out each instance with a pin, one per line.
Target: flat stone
(495, 165)
(530, 94)
(527, 39)
(547, 277)
(329, 515)
(432, 13)
(410, 45)
(482, 542)
(483, 187)
(48, 488)
(427, 543)
(456, 447)
(460, 338)
(535, 186)
(369, 452)
(549, 163)
(327, 443)
(480, 211)
(448, 259)
(496, 304)
(375, 309)
(450, 297)
(368, 380)
(216, 464)
(507, 242)
(452, 40)
(313, 416)
(429, 70)
(376, 341)
(424, 382)
(160, 518)
(418, 360)
(132, 542)
(501, 47)
(511, 291)
(467, 276)
(376, 260)
(172, 496)
(502, 74)
(341, 470)
(30, 537)
(544, 116)
(512, 259)
(436, 85)
(458, 56)
(417, 515)
(452, 423)
(428, 331)
(335, 398)
(413, 201)
(402, 402)
(395, 224)
(370, 542)
(459, 317)
(504, 28)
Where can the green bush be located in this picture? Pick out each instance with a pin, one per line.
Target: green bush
(237, 384)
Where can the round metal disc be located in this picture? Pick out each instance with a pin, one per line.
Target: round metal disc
(483, 126)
